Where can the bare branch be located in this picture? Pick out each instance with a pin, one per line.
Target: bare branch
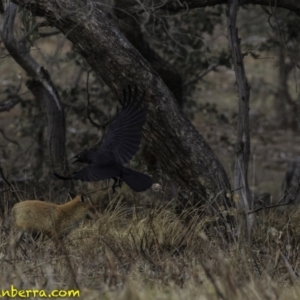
(291, 200)
(201, 75)
(9, 104)
(243, 135)
(47, 34)
(20, 53)
(27, 34)
(42, 88)
(271, 206)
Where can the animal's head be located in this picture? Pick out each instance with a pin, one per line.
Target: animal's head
(81, 203)
(84, 156)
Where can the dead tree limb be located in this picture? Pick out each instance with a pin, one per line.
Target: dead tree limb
(42, 88)
(7, 105)
(20, 53)
(243, 195)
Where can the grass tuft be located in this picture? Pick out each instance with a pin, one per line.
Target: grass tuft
(153, 253)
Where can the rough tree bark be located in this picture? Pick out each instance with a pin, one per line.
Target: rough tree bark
(242, 193)
(131, 27)
(43, 90)
(183, 153)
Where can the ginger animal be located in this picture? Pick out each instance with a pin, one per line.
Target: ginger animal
(47, 218)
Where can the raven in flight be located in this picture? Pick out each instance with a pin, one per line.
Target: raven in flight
(120, 145)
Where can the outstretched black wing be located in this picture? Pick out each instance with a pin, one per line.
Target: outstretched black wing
(125, 133)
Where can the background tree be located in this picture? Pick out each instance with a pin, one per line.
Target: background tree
(175, 139)
(179, 50)
(175, 46)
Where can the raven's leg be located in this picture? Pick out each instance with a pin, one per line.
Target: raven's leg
(120, 181)
(115, 184)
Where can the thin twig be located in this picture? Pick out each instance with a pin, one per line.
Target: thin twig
(8, 105)
(27, 34)
(270, 206)
(47, 34)
(201, 75)
(277, 205)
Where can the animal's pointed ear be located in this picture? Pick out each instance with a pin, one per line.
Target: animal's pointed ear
(84, 198)
(71, 195)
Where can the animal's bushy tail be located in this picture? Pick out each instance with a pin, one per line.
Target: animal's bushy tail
(137, 181)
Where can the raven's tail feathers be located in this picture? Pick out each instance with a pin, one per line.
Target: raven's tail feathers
(137, 181)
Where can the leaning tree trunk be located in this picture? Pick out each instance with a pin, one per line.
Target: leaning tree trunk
(46, 95)
(183, 154)
(130, 26)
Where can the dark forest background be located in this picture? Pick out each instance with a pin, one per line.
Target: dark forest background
(180, 53)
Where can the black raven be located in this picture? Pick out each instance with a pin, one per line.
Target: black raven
(120, 145)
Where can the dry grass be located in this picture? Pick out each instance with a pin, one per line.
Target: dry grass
(153, 254)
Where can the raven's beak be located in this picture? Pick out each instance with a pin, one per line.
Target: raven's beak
(76, 159)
